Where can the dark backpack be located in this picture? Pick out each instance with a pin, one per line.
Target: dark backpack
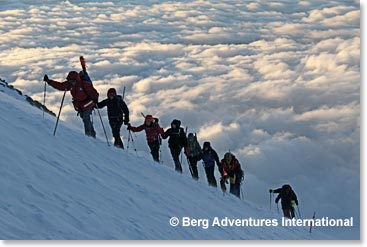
(193, 145)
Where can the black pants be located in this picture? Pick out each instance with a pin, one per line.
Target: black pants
(193, 163)
(210, 176)
(154, 150)
(88, 125)
(116, 124)
(175, 152)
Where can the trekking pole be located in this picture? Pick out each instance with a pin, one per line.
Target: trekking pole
(44, 101)
(313, 217)
(190, 168)
(132, 140)
(160, 156)
(104, 130)
(128, 141)
(58, 116)
(184, 147)
(278, 208)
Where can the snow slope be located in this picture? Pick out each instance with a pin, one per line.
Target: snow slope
(74, 187)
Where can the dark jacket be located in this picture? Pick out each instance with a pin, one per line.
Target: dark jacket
(287, 195)
(177, 137)
(116, 108)
(210, 156)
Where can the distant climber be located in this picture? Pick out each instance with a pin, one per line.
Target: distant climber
(84, 95)
(289, 200)
(210, 158)
(177, 140)
(193, 153)
(231, 170)
(153, 133)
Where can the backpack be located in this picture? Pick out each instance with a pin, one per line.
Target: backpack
(193, 145)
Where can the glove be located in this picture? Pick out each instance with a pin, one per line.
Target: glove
(277, 200)
(128, 126)
(271, 191)
(45, 78)
(126, 122)
(95, 101)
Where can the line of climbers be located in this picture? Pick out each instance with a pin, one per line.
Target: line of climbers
(85, 99)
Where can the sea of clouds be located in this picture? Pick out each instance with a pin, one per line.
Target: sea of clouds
(277, 83)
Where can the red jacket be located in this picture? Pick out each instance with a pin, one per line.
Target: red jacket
(83, 92)
(231, 169)
(152, 131)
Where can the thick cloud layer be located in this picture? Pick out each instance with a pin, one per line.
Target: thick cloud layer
(277, 83)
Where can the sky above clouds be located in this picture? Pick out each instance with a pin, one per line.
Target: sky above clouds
(277, 83)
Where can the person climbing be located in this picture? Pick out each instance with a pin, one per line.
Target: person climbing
(177, 140)
(193, 153)
(289, 200)
(117, 112)
(84, 95)
(231, 170)
(153, 133)
(210, 157)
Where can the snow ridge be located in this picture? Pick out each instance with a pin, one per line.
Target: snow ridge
(74, 187)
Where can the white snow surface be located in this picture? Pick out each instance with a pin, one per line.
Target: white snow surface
(74, 187)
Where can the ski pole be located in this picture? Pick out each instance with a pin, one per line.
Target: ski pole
(241, 193)
(44, 101)
(58, 116)
(104, 130)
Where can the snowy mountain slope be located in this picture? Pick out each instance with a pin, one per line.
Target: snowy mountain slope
(74, 187)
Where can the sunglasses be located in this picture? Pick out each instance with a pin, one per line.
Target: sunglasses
(72, 81)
